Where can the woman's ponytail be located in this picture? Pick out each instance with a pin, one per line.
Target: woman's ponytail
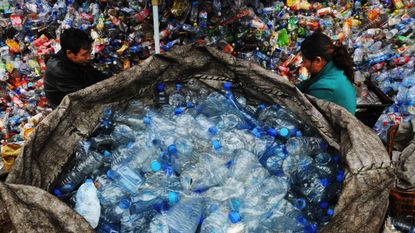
(343, 61)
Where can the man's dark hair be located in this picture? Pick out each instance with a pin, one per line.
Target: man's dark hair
(74, 40)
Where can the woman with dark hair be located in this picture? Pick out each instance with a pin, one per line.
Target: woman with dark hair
(331, 69)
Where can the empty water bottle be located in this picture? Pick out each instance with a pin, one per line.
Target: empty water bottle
(306, 145)
(115, 213)
(272, 159)
(126, 177)
(122, 134)
(177, 99)
(110, 193)
(285, 218)
(217, 221)
(84, 168)
(209, 172)
(247, 169)
(186, 215)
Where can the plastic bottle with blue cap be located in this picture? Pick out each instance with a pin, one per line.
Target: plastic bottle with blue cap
(306, 145)
(272, 159)
(185, 154)
(109, 193)
(84, 168)
(186, 215)
(162, 98)
(211, 170)
(314, 187)
(115, 213)
(126, 177)
(327, 164)
(277, 117)
(217, 220)
(291, 220)
(177, 99)
(246, 115)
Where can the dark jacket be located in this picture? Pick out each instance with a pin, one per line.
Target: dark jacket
(331, 84)
(64, 76)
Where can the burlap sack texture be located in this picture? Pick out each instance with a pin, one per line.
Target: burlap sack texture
(363, 202)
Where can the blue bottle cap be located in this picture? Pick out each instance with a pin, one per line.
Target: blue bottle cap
(234, 217)
(161, 87)
(173, 197)
(178, 111)
(294, 132)
(279, 173)
(147, 120)
(106, 153)
(256, 132)
(325, 182)
(110, 174)
(262, 107)
(213, 130)
(340, 176)
(230, 163)
(272, 132)
(216, 144)
(124, 203)
(330, 212)
(189, 104)
(57, 192)
(168, 170)
(336, 158)
(172, 149)
(89, 181)
(310, 228)
(302, 220)
(324, 204)
(227, 86)
(156, 141)
(178, 87)
(284, 132)
(300, 203)
(155, 166)
(324, 145)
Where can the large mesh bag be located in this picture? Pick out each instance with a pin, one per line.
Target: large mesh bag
(25, 206)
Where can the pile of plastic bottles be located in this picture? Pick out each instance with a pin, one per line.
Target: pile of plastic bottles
(203, 160)
(266, 32)
(385, 56)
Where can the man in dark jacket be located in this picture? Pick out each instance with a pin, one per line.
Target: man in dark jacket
(70, 70)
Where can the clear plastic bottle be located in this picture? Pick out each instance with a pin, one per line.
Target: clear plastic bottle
(129, 179)
(186, 215)
(272, 159)
(210, 171)
(306, 145)
(177, 99)
(84, 168)
(115, 213)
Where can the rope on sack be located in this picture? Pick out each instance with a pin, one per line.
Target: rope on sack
(372, 167)
(211, 77)
(242, 84)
